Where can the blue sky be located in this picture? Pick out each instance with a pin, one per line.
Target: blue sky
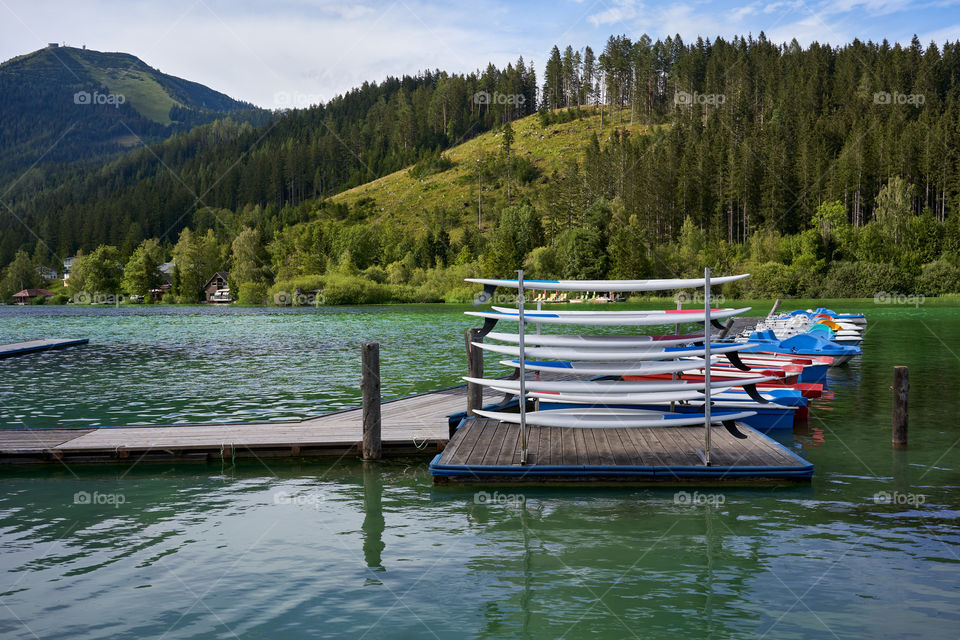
(293, 53)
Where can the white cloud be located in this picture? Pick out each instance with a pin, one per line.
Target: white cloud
(951, 33)
(622, 11)
(301, 54)
(813, 28)
(872, 7)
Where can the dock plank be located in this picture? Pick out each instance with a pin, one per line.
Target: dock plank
(679, 450)
(556, 445)
(651, 445)
(453, 446)
(509, 444)
(485, 440)
(603, 447)
(492, 454)
(568, 451)
(620, 455)
(636, 447)
(468, 441)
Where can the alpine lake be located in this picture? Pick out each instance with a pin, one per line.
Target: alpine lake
(343, 549)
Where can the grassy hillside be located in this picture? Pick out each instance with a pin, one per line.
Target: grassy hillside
(401, 197)
(140, 90)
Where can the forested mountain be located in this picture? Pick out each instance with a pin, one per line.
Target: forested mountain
(62, 104)
(824, 164)
(298, 157)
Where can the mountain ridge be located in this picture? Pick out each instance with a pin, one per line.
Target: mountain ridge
(64, 104)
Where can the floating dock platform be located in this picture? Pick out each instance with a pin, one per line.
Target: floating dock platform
(488, 451)
(35, 346)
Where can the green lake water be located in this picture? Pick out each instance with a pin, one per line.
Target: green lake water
(339, 549)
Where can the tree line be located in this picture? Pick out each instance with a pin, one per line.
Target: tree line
(811, 166)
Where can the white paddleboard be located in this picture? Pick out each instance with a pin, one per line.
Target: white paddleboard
(663, 397)
(600, 418)
(694, 398)
(612, 386)
(612, 314)
(608, 320)
(607, 285)
(605, 368)
(611, 355)
(612, 342)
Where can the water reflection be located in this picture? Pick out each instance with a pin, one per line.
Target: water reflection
(565, 561)
(373, 521)
(307, 546)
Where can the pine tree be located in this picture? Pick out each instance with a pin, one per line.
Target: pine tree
(589, 70)
(553, 80)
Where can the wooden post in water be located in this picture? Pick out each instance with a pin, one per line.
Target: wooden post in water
(474, 369)
(370, 388)
(901, 392)
(373, 522)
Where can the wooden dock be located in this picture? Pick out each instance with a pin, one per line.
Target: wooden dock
(739, 324)
(484, 450)
(464, 449)
(35, 346)
(414, 424)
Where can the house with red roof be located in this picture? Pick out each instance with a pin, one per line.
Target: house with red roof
(25, 296)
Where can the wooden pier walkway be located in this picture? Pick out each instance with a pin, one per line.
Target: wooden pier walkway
(484, 450)
(480, 450)
(414, 424)
(34, 346)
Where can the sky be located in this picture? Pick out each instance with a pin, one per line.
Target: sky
(291, 53)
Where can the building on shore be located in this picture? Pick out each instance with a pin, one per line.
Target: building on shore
(25, 296)
(216, 290)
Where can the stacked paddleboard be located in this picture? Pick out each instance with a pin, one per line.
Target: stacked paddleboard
(612, 401)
